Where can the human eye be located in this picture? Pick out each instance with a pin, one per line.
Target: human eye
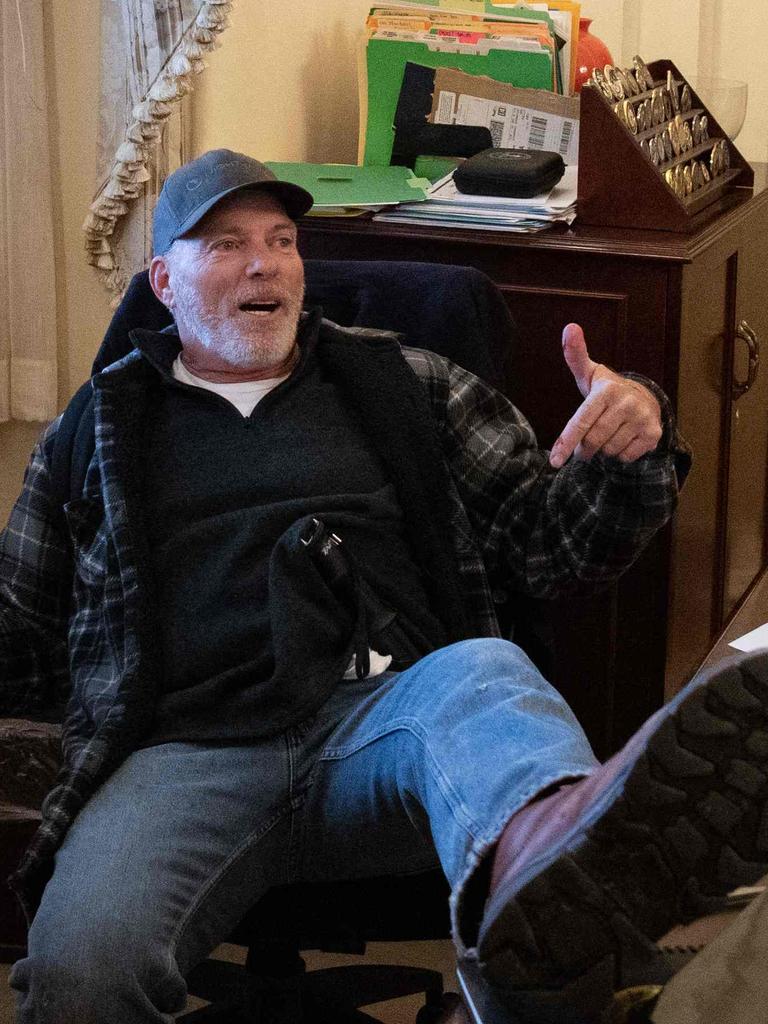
(227, 244)
(284, 237)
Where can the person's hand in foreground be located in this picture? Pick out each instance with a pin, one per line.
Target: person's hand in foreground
(618, 417)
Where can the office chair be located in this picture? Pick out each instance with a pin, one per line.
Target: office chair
(458, 312)
(273, 986)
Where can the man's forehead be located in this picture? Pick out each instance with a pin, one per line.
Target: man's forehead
(238, 208)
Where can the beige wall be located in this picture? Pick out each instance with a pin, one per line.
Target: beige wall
(724, 38)
(283, 86)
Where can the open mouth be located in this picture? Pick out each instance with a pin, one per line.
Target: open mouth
(259, 307)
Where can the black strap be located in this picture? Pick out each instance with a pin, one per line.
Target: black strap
(73, 447)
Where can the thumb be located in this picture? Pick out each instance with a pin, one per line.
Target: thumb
(577, 357)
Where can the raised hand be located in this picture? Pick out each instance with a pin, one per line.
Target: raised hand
(618, 417)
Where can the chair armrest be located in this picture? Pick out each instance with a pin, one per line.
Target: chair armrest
(29, 761)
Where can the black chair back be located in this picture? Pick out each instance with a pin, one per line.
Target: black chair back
(457, 312)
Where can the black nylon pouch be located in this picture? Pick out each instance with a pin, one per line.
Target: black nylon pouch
(513, 173)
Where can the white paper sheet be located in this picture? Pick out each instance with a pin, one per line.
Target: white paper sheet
(555, 200)
(753, 640)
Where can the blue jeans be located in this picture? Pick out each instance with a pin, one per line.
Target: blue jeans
(394, 774)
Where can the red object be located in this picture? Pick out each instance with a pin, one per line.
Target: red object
(591, 53)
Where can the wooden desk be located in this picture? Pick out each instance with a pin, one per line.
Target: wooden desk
(669, 306)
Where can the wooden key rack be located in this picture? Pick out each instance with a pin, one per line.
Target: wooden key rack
(619, 183)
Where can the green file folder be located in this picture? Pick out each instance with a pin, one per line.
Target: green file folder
(345, 185)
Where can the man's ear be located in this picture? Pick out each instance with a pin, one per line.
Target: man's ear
(160, 280)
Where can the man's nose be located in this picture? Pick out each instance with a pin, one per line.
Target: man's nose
(261, 263)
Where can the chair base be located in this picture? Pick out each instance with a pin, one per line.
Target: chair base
(330, 996)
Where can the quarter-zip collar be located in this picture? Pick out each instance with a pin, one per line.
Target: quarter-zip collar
(160, 348)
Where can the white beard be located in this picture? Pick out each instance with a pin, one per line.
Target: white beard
(246, 343)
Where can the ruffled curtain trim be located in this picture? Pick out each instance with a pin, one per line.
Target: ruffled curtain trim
(130, 170)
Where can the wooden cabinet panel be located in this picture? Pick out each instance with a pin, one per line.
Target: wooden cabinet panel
(719, 543)
(747, 493)
(695, 606)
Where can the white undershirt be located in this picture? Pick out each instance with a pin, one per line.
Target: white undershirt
(244, 395)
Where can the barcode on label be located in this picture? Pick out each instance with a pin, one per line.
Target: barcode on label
(445, 104)
(497, 130)
(538, 133)
(565, 138)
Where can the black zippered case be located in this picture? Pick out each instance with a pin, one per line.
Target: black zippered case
(514, 173)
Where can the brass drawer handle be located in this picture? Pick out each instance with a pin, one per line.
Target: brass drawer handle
(747, 335)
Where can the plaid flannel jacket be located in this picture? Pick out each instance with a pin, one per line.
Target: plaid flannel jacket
(513, 521)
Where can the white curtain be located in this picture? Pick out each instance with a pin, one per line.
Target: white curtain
(151, 49)
(28, 375)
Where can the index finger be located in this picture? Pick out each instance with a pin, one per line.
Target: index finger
(577, 427)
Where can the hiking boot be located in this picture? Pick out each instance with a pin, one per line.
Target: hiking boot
(586, 879)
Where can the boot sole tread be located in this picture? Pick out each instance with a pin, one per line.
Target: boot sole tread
(690, 825)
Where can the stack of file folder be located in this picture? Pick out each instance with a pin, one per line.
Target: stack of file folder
(532, 47)
(445, 206)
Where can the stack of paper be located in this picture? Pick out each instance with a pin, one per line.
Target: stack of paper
(445, 206)
(526, 46)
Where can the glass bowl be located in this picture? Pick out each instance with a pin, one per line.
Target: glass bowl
(726, 98)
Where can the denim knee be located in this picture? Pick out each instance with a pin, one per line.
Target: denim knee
(487, 652)
(488, 690)
(95, 973)
(485, 660)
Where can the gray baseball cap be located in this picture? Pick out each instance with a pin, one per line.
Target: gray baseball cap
(192, 190)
